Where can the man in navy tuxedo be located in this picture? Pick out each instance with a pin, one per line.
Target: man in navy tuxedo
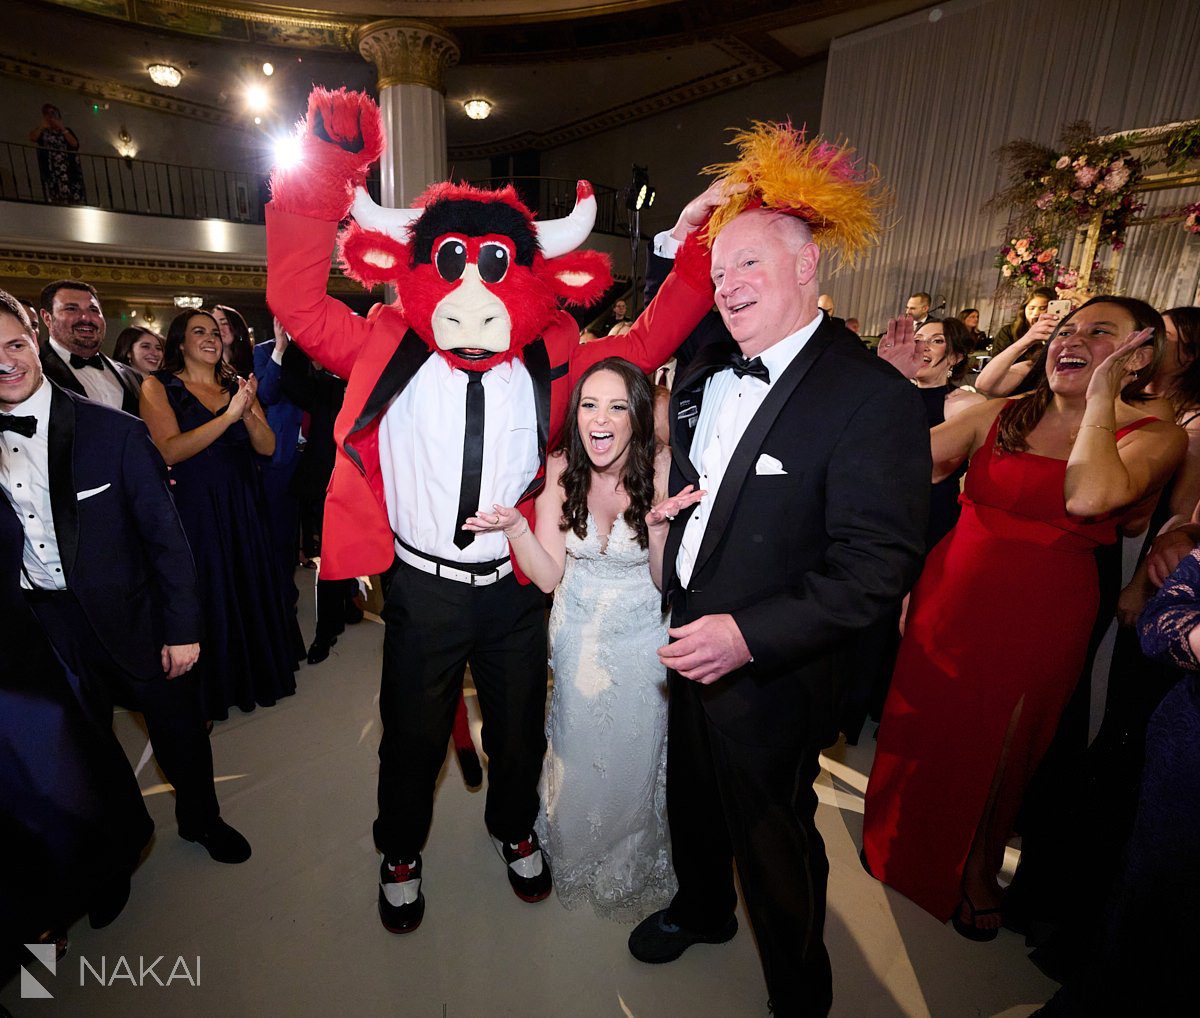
(107, 569)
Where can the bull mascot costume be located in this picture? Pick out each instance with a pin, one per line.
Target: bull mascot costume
(455, 394)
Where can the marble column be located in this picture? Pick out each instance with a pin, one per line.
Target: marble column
(411, 58)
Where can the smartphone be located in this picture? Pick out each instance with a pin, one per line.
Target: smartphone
(1061, 308)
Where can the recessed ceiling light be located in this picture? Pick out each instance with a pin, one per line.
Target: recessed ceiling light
(257, 98)
(268, 68)
(165, 75)
(477, 109)
(188, 301)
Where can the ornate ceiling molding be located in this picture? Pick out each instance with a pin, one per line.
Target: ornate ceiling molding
(408, 53)
(38, 267)
(102, 88)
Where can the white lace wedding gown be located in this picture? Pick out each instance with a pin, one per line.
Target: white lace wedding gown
(603, 822)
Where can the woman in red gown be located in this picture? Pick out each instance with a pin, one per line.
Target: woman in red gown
(999, 621)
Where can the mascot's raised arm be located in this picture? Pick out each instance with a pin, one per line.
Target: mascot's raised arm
(455, 394)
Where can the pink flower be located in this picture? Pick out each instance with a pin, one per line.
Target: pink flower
(1086, 176)
(1047, 255)
(1063, 163)
(1116, 179)
(1006, 271)
(1077, 196)
(1045, 201)
(1012, 258)
(1022, 245)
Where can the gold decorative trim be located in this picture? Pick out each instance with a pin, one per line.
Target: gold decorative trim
(408, 52)
(101, 88)
(41, 266)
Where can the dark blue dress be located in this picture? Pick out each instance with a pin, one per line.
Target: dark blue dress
(249, 652)
(1150, 941)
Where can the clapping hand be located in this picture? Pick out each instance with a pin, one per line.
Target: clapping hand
(281, 337)
(901, 348)
(666, 510)
(501, 519)
(243, 400)
(1114, 372)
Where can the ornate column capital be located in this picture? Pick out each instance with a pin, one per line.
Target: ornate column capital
(408, 52)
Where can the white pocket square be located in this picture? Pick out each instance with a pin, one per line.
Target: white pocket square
(91, 491)
(769, 466)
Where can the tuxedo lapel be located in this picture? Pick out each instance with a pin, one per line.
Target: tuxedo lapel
(60, 466)
(537, 363)
(687, 400)
(745, 453)
(130, 387)
(55, 369)
(405, 361)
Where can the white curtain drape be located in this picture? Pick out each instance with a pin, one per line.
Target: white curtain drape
(929, 98)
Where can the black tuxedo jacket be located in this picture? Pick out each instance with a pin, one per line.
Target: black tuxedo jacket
(60, 373)
(806, 559)
(124, 553)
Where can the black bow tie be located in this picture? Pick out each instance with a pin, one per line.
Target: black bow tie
(754, 367)
(21, 425)
(95, 361)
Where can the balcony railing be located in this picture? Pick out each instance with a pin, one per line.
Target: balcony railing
(41, 176)
(45, 177)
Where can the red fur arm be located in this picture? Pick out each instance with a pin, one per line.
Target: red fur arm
(298, 259)
(658, 331)
(340, 137)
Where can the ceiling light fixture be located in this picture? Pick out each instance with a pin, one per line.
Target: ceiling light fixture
(477, 109)
(189, 301)
(268, 68)
(165, 75)
(257, 98)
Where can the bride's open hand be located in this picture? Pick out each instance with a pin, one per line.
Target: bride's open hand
(669, 508)
(500, 519)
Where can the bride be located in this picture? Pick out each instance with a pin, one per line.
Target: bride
(603, 822)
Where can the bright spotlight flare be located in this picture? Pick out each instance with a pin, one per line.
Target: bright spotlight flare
(257, 99)
(288, 151)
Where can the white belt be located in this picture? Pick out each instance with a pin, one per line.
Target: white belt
(426, 565)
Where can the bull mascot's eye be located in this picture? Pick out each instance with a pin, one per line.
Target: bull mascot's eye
(451, 259)
(493, 262)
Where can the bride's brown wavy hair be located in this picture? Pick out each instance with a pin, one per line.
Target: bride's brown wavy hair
(638, 475)
(1021, 416)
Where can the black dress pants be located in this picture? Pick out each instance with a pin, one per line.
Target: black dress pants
(171, 707)
(435, 627)
(755, 804)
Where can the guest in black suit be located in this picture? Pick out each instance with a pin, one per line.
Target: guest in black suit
(107, 570)
(814, 458)
(71, 357)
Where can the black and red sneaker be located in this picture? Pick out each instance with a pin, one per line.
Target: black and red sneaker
(528, 870)
(401, 901)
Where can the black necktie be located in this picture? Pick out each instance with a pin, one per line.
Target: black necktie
(753, 367)
(26, 426)
(94, 361)
(472, 464)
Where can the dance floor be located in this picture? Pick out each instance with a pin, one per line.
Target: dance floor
(294, 933)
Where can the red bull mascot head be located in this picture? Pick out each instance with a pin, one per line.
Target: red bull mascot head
(476, 275)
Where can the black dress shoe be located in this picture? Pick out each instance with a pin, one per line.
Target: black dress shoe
(528, 870)
(472, 770)
(223, 843)
(319, 650)
(656, 939)
(401, 900)
(108, 903)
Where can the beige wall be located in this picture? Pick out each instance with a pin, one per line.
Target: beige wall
(674, 145)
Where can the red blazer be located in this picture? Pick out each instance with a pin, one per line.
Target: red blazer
(379, 354)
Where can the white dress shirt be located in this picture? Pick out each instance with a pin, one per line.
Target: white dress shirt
(730, 403)
(101, 386)
(25, 477)
(421, 455)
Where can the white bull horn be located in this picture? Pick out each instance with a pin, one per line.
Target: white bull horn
(393, 222)
(558, 236)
